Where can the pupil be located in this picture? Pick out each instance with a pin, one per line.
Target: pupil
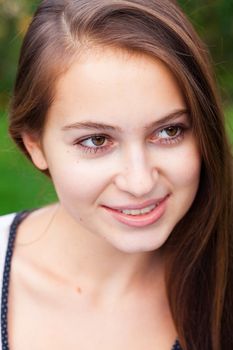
(172, 131)
(98, 140)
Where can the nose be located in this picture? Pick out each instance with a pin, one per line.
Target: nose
(138, 174)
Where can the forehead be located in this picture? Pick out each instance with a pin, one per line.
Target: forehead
(115, 86)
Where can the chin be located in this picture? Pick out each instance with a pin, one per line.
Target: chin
(138, 246)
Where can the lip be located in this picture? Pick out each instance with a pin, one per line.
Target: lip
(138, 206)
(140, 220)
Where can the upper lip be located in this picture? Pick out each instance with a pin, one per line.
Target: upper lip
(137, 206)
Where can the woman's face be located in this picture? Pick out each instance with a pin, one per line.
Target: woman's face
(120, 149)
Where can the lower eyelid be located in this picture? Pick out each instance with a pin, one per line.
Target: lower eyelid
(173, 140)
(94, 150)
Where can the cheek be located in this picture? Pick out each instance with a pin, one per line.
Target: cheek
(184, 169)
(184, 179)
(79, 180)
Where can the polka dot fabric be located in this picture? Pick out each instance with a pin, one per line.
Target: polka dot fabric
(6, 278)
(176, 346)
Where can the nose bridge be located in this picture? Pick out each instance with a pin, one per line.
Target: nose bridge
(137, 173)
(138, 161)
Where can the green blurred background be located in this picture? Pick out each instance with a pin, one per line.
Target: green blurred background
(21, 186)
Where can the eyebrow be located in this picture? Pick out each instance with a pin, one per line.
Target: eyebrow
(101, 126)
(91, 125)
(168, 118)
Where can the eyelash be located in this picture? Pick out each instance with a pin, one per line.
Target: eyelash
(96, 149)
(173, 139)
(164, 141)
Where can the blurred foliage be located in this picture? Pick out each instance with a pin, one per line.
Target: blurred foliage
(21, 186)
(213, 20)
(14, 19)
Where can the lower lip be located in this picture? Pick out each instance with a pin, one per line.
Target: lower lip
(140, 220)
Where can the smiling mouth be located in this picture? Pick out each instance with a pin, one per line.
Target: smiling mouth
(140, 217)
(143, 211)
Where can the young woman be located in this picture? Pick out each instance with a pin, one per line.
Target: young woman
(115, 102)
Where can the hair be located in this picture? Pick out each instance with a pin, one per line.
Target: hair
(199, 271)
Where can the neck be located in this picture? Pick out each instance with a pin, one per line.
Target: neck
(91, 264)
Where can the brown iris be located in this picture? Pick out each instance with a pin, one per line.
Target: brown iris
(172, 130)
(98, 140)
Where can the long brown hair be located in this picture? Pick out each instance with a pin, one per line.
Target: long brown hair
(199, 272)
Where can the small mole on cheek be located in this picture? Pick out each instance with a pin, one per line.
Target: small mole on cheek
(78, 290)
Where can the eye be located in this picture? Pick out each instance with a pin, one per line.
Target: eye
(94, 141)
(170, 134)
(170, 131)
(94, 144)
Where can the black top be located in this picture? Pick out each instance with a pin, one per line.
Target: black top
(6, 277)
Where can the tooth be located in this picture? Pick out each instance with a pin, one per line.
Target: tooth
(132, 212)
(139, 211)
(148, 209)
(136, 211)
(126, 211)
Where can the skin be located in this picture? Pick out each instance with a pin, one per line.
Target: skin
(110, 265)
